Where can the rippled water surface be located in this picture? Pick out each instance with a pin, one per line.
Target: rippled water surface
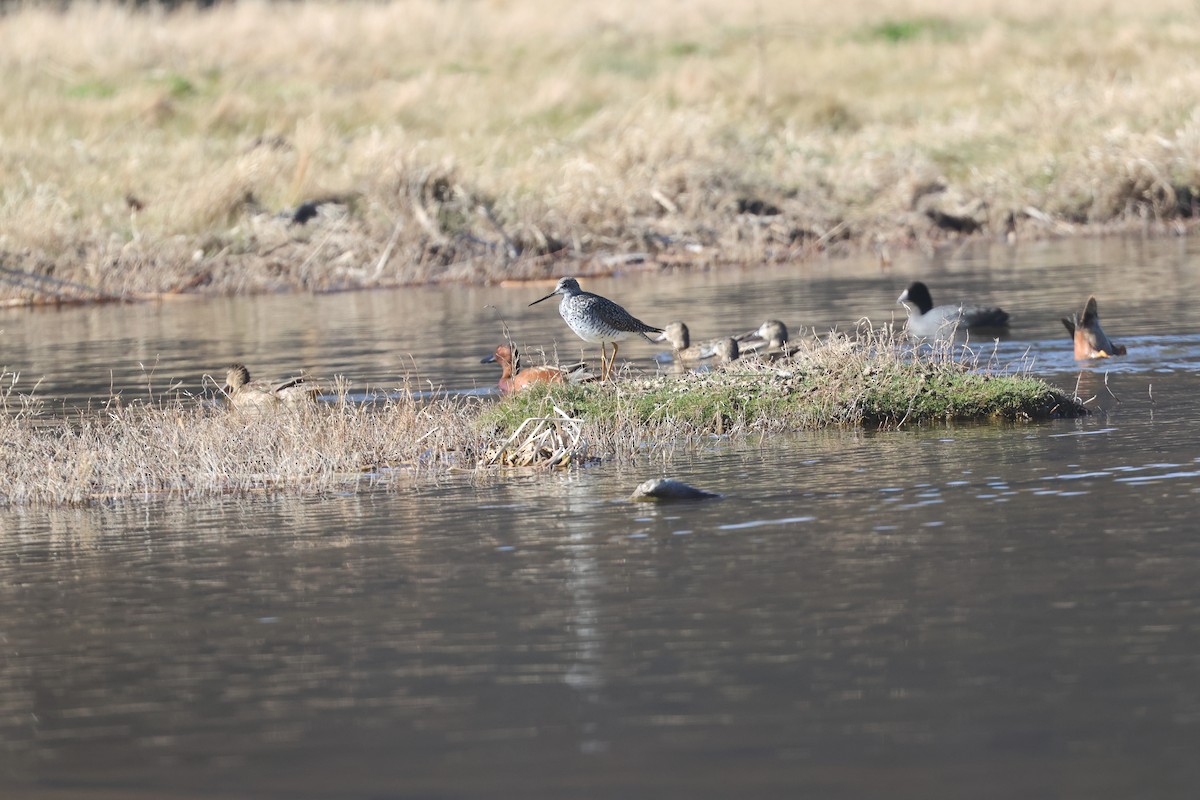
(976, 611)
(435, 336)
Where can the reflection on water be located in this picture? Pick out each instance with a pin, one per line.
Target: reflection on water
(924, 613)
(978, 611)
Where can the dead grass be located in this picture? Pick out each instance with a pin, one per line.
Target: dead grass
(870, 380)
(148, 152)
(189, 447)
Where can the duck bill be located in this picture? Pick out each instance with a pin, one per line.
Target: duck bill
(662, 337)
(748, 336)
(547, 297)
(488, 359)
(902, 300)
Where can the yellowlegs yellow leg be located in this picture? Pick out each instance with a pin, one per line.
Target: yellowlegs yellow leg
(598, 320)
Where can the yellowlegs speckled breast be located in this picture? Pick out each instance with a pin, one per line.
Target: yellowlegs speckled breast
(241, 391)
(597, 319)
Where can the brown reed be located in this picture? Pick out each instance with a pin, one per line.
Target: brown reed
(192, 447)
(256, 146)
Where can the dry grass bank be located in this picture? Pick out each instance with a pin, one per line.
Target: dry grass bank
(189, 447)
(470, 140)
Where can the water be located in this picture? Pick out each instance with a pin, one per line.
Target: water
(983, 611)
(435, 337)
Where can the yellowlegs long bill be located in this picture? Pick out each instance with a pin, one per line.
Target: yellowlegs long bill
(597, 319)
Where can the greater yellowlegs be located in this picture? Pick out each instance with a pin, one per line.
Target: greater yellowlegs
(597, 319)
(1090, 339)
(514, 377)
(241, 391)
(682, 349)
(929, 321)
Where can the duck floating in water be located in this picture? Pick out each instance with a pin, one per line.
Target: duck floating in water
(1090, 339)
(769, 340)
(726, 350)
(598, 320)
(682, 349)
(245, 393)
(514, 377)
(929, 321)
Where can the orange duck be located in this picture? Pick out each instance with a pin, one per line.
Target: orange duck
(1090, 339)
(513, 378)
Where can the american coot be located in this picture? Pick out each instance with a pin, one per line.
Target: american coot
(597, 319)
(514, 378)
(243, 392)
(927, 321)
(1090, 339)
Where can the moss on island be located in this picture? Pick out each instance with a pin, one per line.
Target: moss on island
(191, 447)
(824, 389)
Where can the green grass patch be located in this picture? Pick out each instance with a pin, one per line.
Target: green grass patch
(683, 49)
(561, 118)
(179, 86)
(901, 31)
(828, 383)
(960, 158)
(91, 90)
(183, 445)
(625, 59)
(966, 396)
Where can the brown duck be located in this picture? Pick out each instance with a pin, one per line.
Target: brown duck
(1090, 339)
(243, 392)
(514, 377)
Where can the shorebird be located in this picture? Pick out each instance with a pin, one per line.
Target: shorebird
(682, 349)
(514, 378)
(928, 321)
(597, 319)
(1090, 339)
(241, 391)
(770, 339)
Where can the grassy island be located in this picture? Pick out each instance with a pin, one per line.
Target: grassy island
(317, 145)
(833, 381)
(192, 447)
